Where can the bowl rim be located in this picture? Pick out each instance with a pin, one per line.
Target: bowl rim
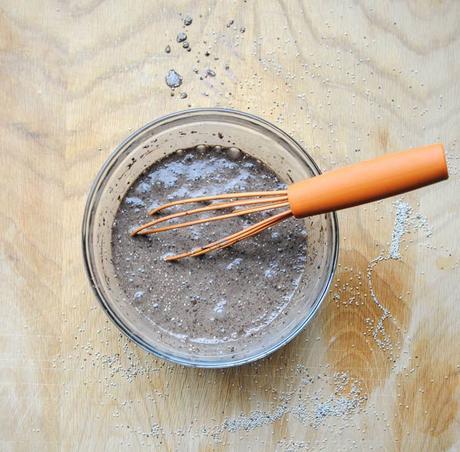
(91, 199)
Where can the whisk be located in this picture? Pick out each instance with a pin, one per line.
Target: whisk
(349, 186)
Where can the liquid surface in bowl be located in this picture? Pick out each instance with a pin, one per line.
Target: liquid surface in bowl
(226, 298)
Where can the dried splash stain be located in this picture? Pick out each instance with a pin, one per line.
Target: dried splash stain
(405, 221)
(403, 211)
(373, 295)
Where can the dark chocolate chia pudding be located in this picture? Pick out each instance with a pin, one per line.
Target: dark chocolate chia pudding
(228, 299)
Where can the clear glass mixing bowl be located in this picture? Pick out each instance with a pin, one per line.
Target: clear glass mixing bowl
(182, 130)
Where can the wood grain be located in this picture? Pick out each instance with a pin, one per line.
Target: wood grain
(350, 80)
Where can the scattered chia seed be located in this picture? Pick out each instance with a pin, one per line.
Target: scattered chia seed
(188, 21)
(168, 49)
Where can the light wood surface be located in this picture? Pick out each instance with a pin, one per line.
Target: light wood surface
(378, 369)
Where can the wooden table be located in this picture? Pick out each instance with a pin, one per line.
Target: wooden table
(379, 366)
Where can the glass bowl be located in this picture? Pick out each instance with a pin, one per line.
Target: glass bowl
(152, 142)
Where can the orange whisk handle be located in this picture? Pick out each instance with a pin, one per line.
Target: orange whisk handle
(368, 181)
